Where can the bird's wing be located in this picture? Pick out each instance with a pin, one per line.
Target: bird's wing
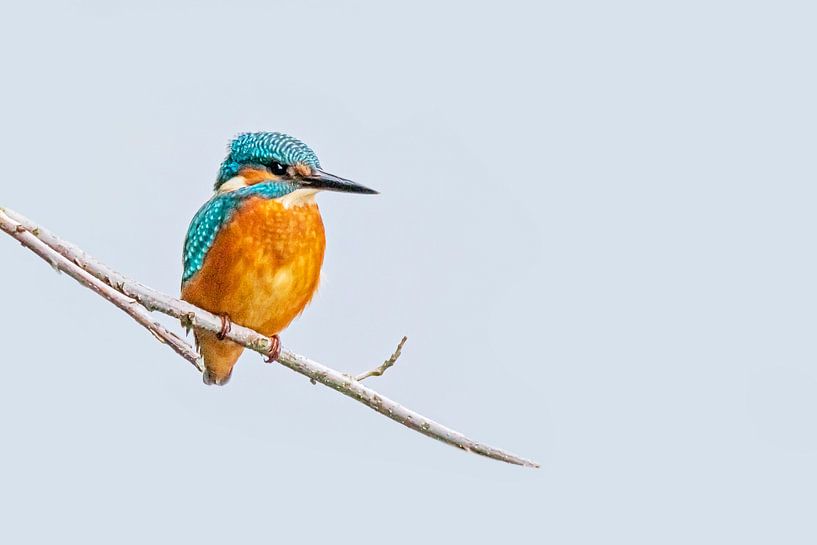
(202, 232)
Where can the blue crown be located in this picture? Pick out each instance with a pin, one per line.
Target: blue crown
(262, 148)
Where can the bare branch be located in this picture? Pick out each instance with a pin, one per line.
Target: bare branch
(130, 306)
(123, 292)
(380, 369)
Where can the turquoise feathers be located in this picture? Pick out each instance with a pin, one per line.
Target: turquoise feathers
(261, 148)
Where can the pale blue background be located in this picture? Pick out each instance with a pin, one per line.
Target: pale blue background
(596, 226)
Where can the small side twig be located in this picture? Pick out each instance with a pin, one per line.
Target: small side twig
(380, 369)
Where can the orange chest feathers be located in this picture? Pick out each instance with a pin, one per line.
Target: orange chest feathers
(264, 265)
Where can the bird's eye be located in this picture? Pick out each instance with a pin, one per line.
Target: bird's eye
(277, 168)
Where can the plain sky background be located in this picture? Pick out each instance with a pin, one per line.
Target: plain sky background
(596, 227)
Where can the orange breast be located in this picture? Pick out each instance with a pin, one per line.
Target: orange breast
(264, 265)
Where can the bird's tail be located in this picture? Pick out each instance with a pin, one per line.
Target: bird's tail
(219, 357)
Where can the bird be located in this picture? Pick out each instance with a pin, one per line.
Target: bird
(253, 253)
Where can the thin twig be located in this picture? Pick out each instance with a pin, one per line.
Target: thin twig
(80, 266)
(135, 311)
(380, 369)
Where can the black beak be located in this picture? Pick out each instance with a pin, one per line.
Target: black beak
(323, 180)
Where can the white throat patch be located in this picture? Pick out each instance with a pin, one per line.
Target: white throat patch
(299, 197)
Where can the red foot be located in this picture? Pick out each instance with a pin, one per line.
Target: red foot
(226, 325)
(274, 349)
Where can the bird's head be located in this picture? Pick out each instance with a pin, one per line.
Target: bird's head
(274, 157)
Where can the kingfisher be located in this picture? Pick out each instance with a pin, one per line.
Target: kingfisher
(253, 252)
